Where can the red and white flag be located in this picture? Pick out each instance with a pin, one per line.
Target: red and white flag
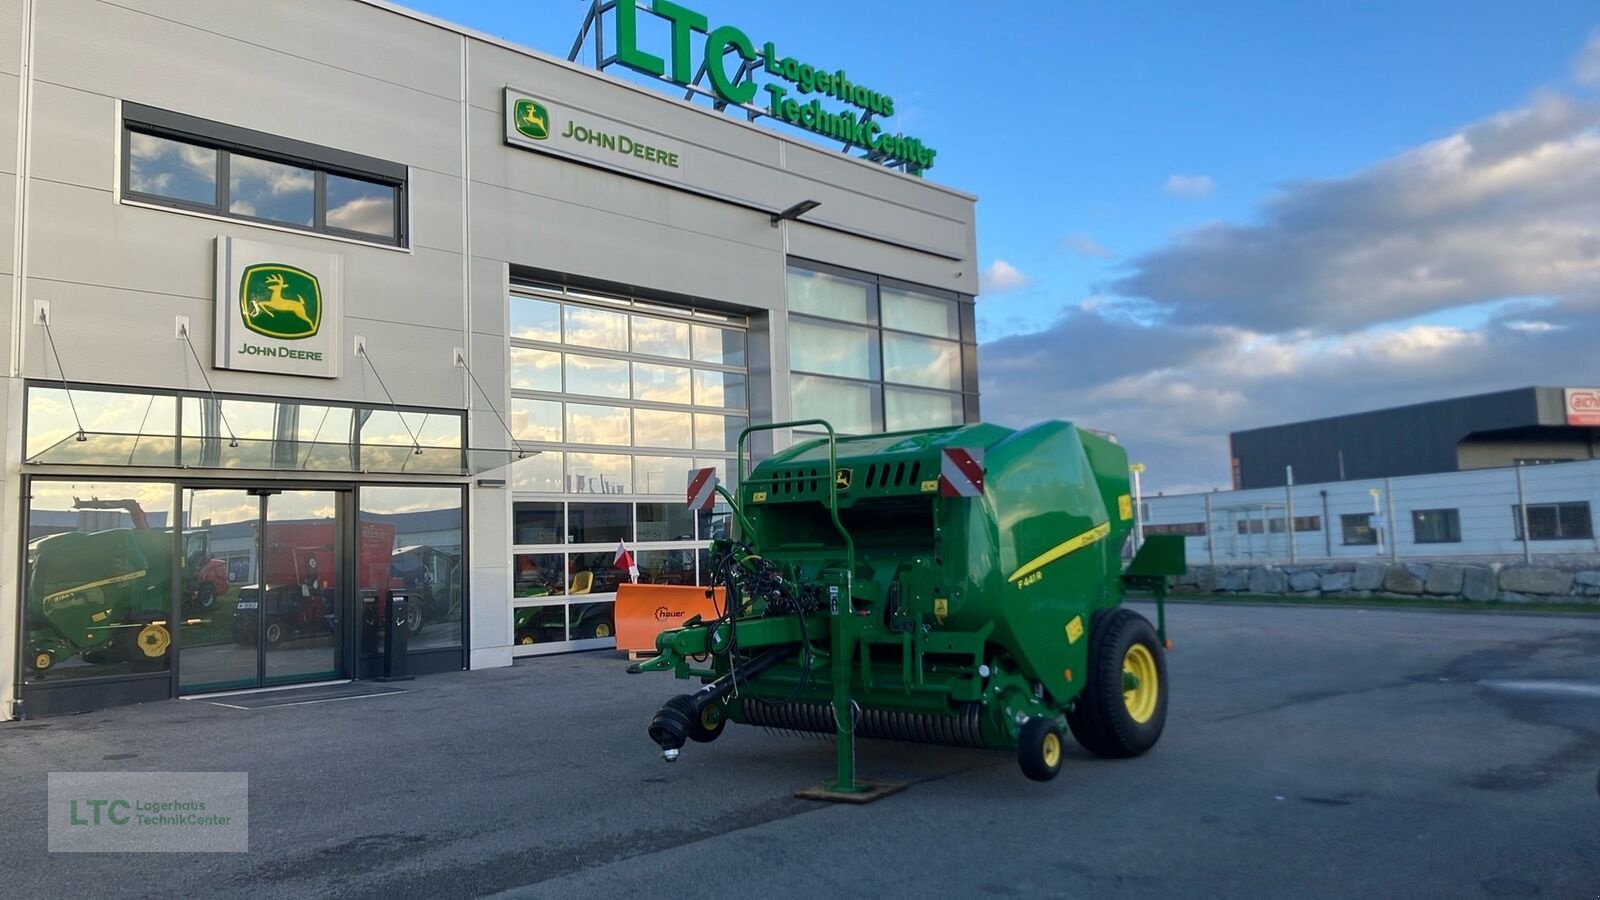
(624, 560)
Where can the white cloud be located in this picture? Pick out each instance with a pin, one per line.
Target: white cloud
(1193, 187)
(1084, 245)
(1533, 326)
(1002, 278)
(1506, 207)
(1586, 68)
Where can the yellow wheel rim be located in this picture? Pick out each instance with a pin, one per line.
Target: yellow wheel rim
(603, 630)
(41, 661)
(154, 639)
(1051, 751)
(709, 717)
(525, 640)
(1141, 699)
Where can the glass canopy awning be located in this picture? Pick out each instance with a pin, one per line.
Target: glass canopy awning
(146, 451)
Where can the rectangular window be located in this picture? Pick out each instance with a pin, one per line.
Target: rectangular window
(826, 348)
(536, 523)
(832, 296)
(1307, 523)
(847, 405)
(1436, 526)
(1556, 522)
(921, 361)
(535, 370)
(902, 346)
(905, 409)
(599, 523)
(1187, 529)
(1358, 529)
(920, 313)
(184, 162)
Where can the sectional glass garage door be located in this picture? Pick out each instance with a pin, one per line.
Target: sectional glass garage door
(624, 398)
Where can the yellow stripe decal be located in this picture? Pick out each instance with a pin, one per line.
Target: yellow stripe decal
(115, 579)
(1070, 545)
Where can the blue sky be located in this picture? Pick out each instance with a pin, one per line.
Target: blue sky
(1209, 215)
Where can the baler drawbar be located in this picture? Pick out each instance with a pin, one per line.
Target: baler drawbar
(957, 586)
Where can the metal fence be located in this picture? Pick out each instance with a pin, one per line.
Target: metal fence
(1521, 512)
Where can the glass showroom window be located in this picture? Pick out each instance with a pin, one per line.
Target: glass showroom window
(100, 579)
(622, 399)
(426, 558)
(870, 357)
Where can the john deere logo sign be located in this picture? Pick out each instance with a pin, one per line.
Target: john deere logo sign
(571, 132)
(280, 301)
(533, 119)
(278, 309)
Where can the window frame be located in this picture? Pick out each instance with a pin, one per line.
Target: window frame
(1345, 529)
(228, 140)
(1450, 516)
(1556, 507)
(878, 381)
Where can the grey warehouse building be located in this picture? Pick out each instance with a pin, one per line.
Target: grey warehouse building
(1526, 426)
(314, 305)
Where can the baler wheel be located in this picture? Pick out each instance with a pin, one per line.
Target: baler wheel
(1123, 708)
(708, 726)
(1039, 748)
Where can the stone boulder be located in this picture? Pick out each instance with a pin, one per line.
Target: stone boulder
(1444, 578)
(1478, 583)
(1235, 580)
(1304, 581)
(1335, 582)
(1590, 580)
(1268, 580)
(1368, 576)
(1535, 580)
(1401, 580)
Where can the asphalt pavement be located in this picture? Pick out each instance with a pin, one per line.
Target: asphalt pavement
(1308, 753)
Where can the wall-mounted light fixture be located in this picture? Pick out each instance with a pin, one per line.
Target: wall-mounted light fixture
(795, 211)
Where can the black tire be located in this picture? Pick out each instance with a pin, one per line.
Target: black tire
(275, 633)
(205, 598)
(414, 617)
(709, 725)
(1040, 748)
(1105, 720)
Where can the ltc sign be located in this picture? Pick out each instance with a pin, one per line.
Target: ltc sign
(786, 103)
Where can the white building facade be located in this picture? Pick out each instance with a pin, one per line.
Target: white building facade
(313, 305)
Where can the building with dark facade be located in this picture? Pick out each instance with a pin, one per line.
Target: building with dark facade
(1525, 426)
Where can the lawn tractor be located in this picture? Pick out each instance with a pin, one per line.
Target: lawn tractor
(956, 586)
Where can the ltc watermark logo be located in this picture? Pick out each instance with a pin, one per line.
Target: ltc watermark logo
(280, 301)
(148, 812)
(532, 119)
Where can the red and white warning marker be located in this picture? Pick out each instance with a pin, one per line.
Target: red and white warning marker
(624, 560)
(702, 488)
(961, 473)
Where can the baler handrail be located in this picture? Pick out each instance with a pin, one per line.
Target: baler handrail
(833, 482)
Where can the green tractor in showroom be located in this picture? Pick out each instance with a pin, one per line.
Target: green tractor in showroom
(956, 586)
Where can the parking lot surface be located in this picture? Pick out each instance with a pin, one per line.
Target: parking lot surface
(1308, 753)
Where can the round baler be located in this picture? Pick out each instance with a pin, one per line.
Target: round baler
(957, 585)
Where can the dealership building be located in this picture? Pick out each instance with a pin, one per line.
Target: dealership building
(317, 304)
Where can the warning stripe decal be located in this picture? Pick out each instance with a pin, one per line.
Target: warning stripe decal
(703, 488)
(1070, 545)
(961, 473)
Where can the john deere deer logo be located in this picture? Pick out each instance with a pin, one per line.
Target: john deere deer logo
(280, 301)
(533, 119)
